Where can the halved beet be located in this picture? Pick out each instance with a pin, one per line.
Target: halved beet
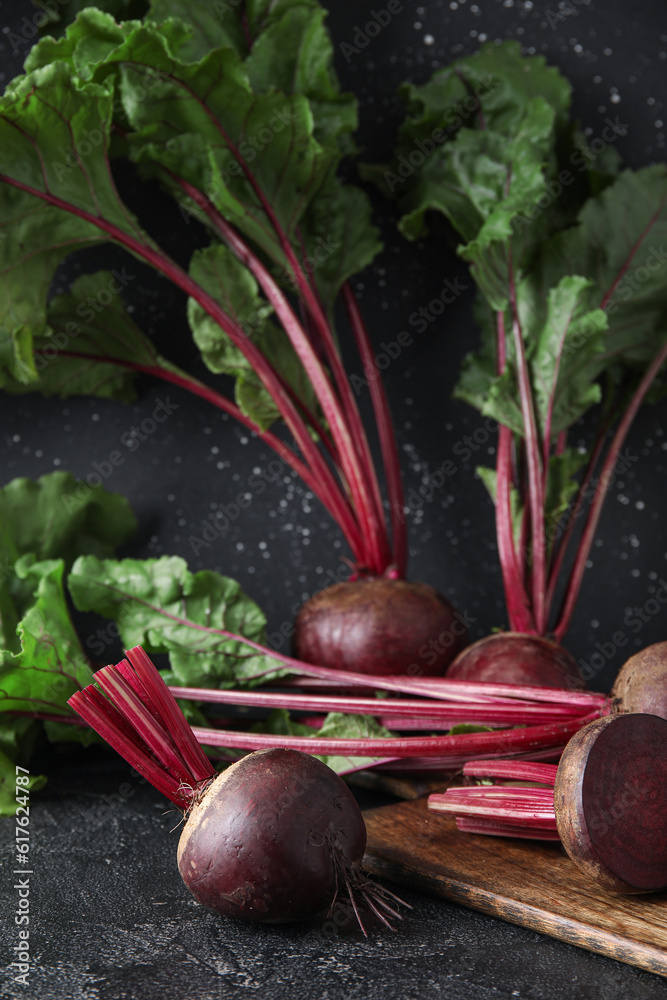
(380, 626)
(606, 801)
(610, 798)
(641, 685)
(274, 838)
(517, 658)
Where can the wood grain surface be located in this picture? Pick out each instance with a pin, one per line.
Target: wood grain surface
(522, 881)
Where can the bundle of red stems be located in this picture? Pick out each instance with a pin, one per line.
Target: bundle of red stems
(503, 810)
(121, 700)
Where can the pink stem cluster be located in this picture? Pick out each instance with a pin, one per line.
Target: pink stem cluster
(132, 708)
(503, 810)
(135, 713)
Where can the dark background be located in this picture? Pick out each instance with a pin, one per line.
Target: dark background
(283, 545)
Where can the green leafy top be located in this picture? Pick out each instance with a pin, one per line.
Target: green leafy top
(260, 131)
(572, 290)
(160, 605)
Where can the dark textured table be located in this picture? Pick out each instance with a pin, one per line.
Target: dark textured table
(111, 919)
(110, 916)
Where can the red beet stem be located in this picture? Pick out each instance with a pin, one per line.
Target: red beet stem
(431, 711)
(493, 828)
(167, 709)
(505, 742)
(104, 718)
(512, 770)
(142, 721)
(388, 446)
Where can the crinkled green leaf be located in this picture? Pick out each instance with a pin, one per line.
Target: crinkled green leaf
(211, 25)
(501, 79)
(160, 605)
(121, 10)
(337, 237)
(463, 130)
(58, 517)
(569, 339)
(620, 244)
(216, 124)
(90, 320)
(294, 54)
(51, 665)
(45, 117)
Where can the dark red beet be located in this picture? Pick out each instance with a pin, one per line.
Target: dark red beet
(610, 798)
(273, 838)
(380, 626)
(515, 658)
(607, 804)
(641, 685)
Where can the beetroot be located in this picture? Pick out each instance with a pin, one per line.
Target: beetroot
(610, 798)
(275, 837)
(517, 658)
(641, 685)
(380, 626)
(606, 801)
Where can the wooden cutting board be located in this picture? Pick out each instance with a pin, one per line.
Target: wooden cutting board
(524, 882)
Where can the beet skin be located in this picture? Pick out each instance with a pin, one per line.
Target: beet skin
(515, 658)
(641, 685)
(271, 838)
(380, 626)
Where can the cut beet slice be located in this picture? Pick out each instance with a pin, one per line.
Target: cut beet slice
(610, 798)
(609, 801)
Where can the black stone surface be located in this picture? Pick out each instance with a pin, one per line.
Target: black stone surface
(110, 917)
